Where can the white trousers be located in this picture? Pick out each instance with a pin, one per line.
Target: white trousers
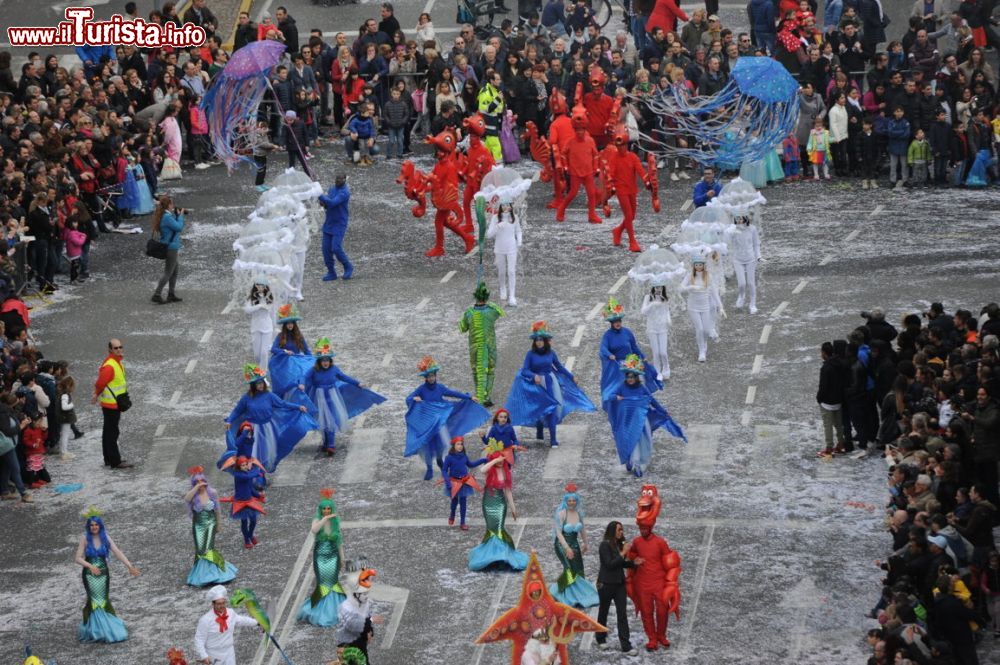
(746, 280)
(260, 343)
(65, 430)
(703, 327)
(298, 266)
(658, 342)
(507, 275)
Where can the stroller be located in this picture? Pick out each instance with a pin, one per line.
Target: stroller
(479, 14)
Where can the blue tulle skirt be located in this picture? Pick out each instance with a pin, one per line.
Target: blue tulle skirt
(495, 552)
(129, 200)
(325, 614)
(755, 173)
(581, 593)
(772, 166)
(205, 573)
(528, 403)
(978, 176)
(103, 627)
(612, 378)
(145, 201)
(331, 412)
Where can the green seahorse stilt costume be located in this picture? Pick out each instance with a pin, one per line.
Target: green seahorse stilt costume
(479, 321)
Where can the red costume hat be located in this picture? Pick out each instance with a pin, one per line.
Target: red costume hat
(598, 79)
(497, 413)
(557, 103)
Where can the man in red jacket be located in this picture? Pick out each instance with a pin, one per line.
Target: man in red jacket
(581, 159)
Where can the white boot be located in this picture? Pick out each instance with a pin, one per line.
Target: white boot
(864, 184)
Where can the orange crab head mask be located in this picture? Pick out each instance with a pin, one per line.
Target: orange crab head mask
(598, 79)
(557, 103)
(579, 119)
(475, 124)
(648, 507)
(445, 142)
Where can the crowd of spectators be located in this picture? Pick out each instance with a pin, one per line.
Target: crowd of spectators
(925, 398)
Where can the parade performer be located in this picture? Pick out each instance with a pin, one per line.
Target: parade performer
(241, 445)
(617, 343)
(653, 585)
(502, 430)
(477, 163)
(497, 547)
(321, 608)
(206, 518)
(277, 425)
(582, 161)
(336, 202)
(599, 105)
(355, 627)
(459, 484)
(479, 321)
(544, 392)
(625, 168)
(260, 307)
(100, 622)
(431, 420)
(491, 107)
(657, 313)
(213, 638)
(634, 415)
(744, 248)
(702, 296)
(539, 650)
(570, 545)
(505, 229)
(247, 501)
(561, 132)
(337, 396)
(291, 356)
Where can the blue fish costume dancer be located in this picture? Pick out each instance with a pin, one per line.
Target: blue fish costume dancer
(100, 623)
(502, 430)
(291, 358)
(617, 343)
(459, 483)
(497, 548)
(204, 507)
(634, 415)
(247, 500)
(570, 540)
(544, 392)
(337, 396)
(431, 421)
(277, 425)
(321, 608)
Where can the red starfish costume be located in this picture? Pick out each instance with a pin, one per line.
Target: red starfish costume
(653, 586)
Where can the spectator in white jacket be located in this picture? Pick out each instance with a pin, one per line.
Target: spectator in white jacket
(425, 29)
(505, 229)
(839, 141)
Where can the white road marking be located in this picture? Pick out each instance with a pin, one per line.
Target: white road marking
(687, 204)
(699, 585)
(826, 259)
(740, 524)
(191, 365)
(878, 209)
(423, 303)
(751, 394)
(569, 363)
(498, 596)
(578, 335)
(305, 587)
(429, 6)
(702, 449)
(265, 7)
(163, 457)
(587, 639)
(175, 398)
(293, 469)
(386, 359)
(852, 235)
(592, 314)
(779, 309)
(398, 597)
(798, 287)
(563, 462)
(160, 429)
(227, 309)
(400, 331)
(447, 277)
(758, 361)
(745, 418)
(765, 334)
(617, 285)
(207, 336)
(769, 443)
(363, 456)
(286, 593)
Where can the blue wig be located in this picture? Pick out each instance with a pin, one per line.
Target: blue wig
(105, 546)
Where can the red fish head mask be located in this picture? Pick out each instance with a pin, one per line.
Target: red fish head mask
(475, 124)
(557, 103)
(621, 139)
(598, 79)
(445, 142)
(579, 118)
(648, 506)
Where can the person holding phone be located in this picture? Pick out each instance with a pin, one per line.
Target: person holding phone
(613, 552)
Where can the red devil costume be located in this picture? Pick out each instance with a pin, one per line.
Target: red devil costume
(653, 585)
(625, 167)
(477, 163)
(599, 106)
(443, 185)
(581, 158)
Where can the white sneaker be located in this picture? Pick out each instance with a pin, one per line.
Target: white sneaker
(666, 375)
(356, 156)
(673, 176)
(661, 163)
(65, 457)
(201, 166)
(753, 310)
(503, 296)
(684, 175)
(603, 646)
(739, 303)
(864, 184)
(701, 358)
(512, 302)
(861, 454)
(874, 184)
(659, 377)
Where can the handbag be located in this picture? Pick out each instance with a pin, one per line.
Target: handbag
(418, 96)
(156, 249)
(170, 170)
(124, 402)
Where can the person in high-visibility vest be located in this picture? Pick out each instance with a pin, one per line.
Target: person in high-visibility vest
(108, 389)
(491, 107)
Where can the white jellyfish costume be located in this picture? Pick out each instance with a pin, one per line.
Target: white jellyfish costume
(654, 269)
(704, 304)
(304, 190)
(502, 187)
(707, 227)
(742, 203)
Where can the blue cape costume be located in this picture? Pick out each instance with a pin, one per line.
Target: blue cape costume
(633, 420)
(529, 402)
(430, 425)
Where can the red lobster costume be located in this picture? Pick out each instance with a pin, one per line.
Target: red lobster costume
(599, 107)
(477, 163)
(582, 161)
(653, 586)
(443, 185)
(625, 167)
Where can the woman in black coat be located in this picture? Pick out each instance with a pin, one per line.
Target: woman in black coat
(611, 584)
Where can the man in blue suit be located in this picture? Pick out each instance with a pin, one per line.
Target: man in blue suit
(336, 202)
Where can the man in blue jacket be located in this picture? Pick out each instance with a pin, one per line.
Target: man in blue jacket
(706, 189)
(762, 24)
(336, 202)
(899, 144)
(91, 56)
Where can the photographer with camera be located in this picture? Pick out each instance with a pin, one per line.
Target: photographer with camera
(168, 223)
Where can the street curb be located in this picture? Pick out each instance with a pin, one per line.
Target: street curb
(244, 7)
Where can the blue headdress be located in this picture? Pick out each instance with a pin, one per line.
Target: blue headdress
(94, 517)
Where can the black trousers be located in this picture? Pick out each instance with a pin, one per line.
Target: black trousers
(109, 437)
(616, 592)
(986, 473)
(261, 162)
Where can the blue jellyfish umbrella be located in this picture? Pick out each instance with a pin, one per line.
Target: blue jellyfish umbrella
(756, 109)
(231, 102)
